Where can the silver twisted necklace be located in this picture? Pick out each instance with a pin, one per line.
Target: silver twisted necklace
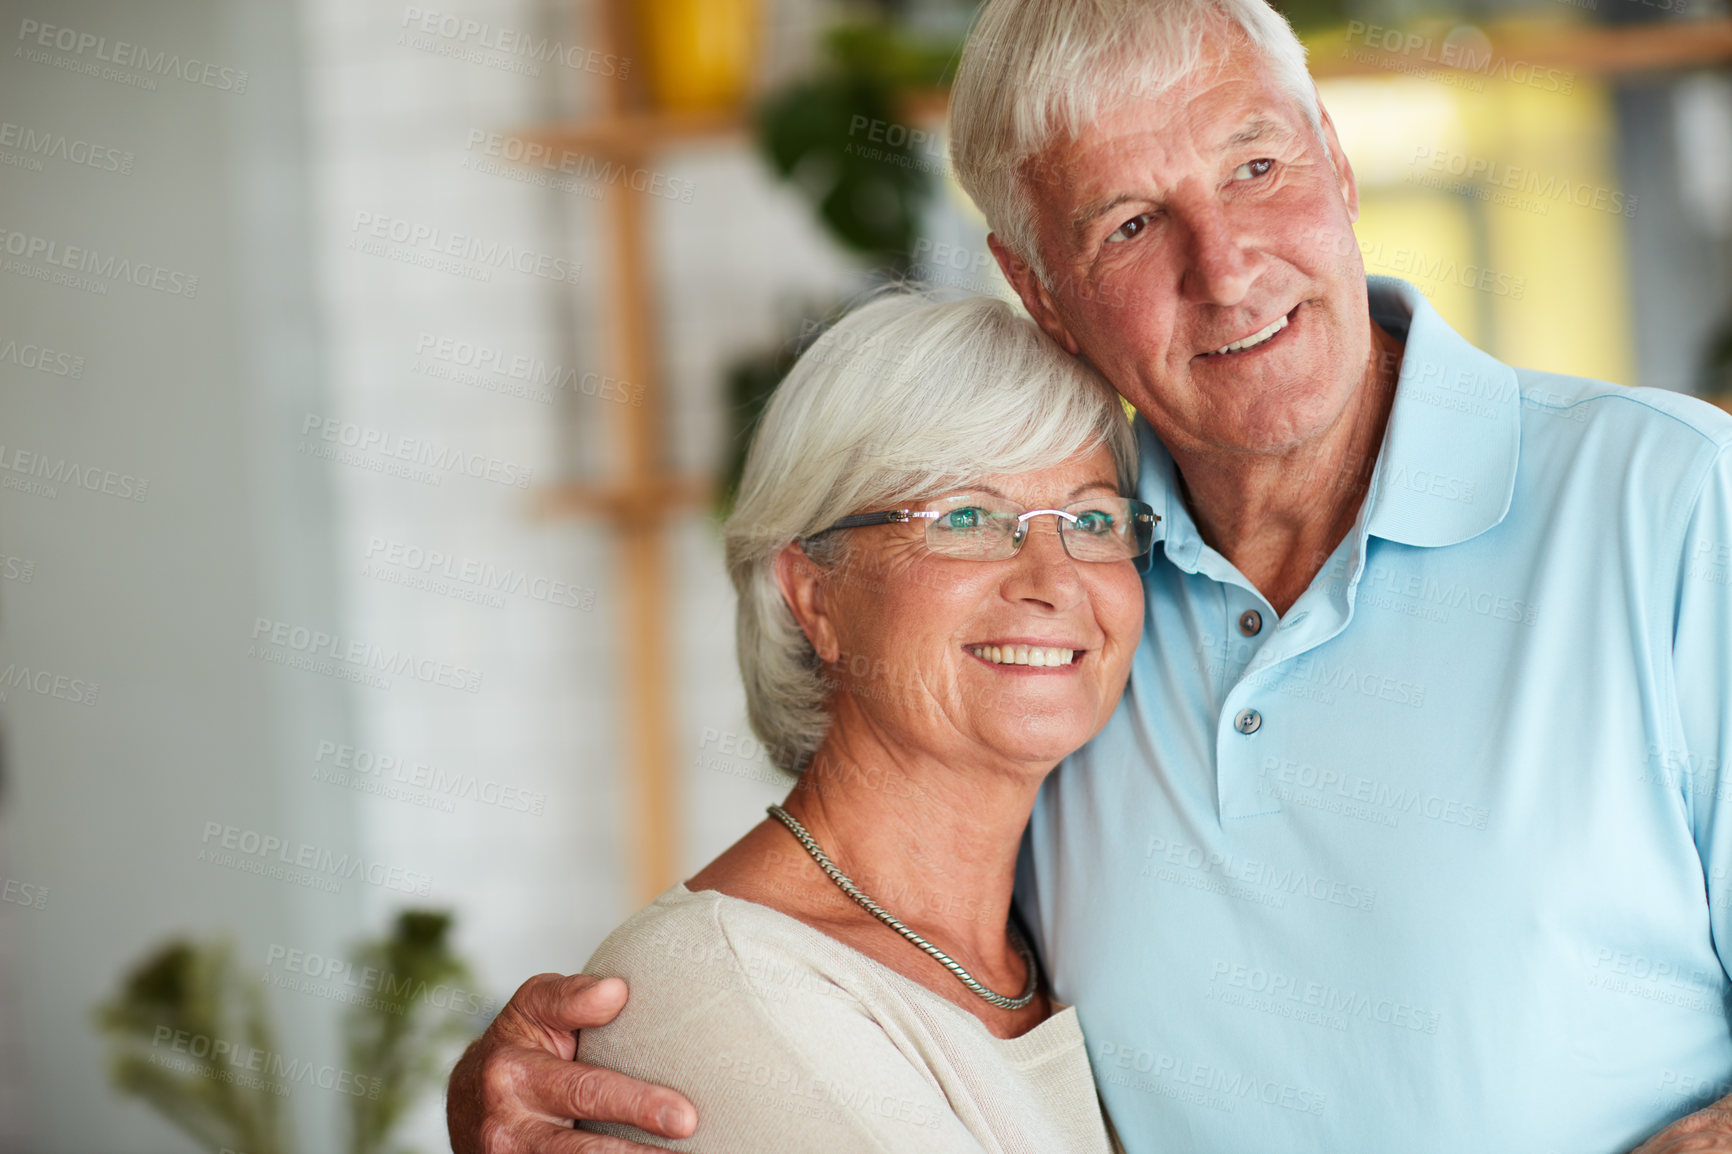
(889, 919)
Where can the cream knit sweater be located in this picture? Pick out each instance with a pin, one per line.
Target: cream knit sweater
(787, 1040)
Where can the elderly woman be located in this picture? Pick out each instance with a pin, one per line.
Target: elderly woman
(938, 600)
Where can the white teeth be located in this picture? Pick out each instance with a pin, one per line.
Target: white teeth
(1035, 655)
(1255, 338)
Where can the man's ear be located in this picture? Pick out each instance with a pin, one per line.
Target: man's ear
(800, 580)
(1035, 297)
(1338, 157)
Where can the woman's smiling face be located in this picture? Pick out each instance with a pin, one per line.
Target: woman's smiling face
(933, 652)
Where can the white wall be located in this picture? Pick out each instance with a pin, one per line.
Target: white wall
(105, 804)
(257, 193)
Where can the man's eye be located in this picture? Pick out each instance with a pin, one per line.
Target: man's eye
(1129, 229)
(1252, 169)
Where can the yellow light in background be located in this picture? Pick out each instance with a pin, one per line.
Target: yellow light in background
(1501, 206)
(1429, 241)
(1575, 317)
(700, 52)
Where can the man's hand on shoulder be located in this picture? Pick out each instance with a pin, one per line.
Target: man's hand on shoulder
(1707, 1131)
(516, 1090)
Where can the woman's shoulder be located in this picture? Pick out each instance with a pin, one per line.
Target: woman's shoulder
(719, 984)
(711, 939)
(678, 914)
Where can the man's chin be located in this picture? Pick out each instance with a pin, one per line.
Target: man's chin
(1273, 425)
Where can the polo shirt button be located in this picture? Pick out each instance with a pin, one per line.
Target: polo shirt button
(1250, 622)
(1248, 722)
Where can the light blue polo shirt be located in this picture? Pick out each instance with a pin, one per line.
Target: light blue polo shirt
(1439, 860)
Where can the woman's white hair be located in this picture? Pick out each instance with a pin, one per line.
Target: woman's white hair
(901, 400)
(1034, 71)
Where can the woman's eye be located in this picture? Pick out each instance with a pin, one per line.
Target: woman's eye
(1095, 522)
(965, 518)
(1129, 229)
(1252, 169)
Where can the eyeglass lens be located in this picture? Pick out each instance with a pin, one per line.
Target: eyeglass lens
(1106, 528)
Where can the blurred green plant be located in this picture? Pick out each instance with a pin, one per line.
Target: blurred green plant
(827, 136)
(1716, 382)
(750, 381)
(180, 999)
(1309, 16)
(403, 1040)
(191, 1038)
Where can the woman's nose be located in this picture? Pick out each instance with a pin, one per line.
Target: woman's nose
(1044, 571)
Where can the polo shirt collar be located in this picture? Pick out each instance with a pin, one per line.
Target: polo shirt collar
(1158, 485)
(1447, 469)
(1448, 466)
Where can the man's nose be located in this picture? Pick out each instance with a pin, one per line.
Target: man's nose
(1221, 266)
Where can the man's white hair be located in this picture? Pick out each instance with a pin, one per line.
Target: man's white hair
(901, 400)
(1035, 71)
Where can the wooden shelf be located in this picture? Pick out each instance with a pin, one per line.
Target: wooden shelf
(1596, 50)
(644, 502)
(640, 498)
(640, 133)
(1589, 49)
(637, 133)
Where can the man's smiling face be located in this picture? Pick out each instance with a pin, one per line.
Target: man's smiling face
(1201, 254)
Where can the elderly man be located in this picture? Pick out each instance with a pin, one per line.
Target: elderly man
(1407, 834)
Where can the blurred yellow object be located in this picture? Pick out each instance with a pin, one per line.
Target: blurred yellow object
(699, 53)
(1500, 202)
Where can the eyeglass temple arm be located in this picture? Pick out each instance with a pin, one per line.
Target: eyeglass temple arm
(861, 520)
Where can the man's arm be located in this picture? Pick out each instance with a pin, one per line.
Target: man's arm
(1707, 1131)
(518, 1088)
(1702, 662)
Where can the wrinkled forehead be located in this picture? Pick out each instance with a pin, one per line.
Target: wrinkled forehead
(1232, 103)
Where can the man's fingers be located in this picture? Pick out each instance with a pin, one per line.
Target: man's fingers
(1698, 1143)
(559, 1089)
(550, 1006)
(548, 1138)
(580, 1142)
(1708, 1131)
(517, 1088)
